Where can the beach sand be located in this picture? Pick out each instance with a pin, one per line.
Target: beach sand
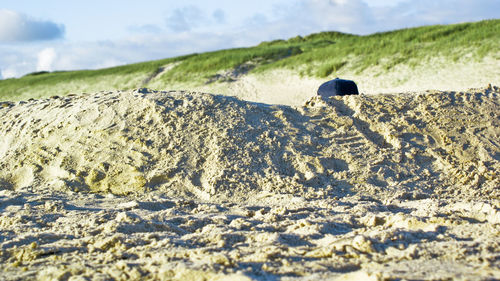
(175, 185)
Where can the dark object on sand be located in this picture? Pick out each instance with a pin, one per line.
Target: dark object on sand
(338, 87)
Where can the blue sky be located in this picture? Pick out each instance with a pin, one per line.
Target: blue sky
(63, 35)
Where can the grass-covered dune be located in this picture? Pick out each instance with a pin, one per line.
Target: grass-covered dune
(381, 56)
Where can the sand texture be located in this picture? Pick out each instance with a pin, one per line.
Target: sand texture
(149, 185)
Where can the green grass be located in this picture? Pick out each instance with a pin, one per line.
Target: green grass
(317, 55)
(400, 47)
(208, 64)
(64, 82)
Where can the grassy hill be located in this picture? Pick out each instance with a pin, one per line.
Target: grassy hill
(317, 56)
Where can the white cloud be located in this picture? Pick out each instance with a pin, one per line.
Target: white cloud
(46, 58)
(352, 16)
(384, 3)
(15, 27)
(368, 16)
(185, 19)
(219, 16)
(427, 12)
(192, 18)
(9, 73)
(145, 28)
(15, 62)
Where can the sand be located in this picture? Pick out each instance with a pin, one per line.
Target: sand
(150, 185)
(288, 87)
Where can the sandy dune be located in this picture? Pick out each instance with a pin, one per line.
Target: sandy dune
(177, 185)
(288, 87)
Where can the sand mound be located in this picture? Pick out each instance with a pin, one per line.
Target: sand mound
(207, 146)
(383, 187)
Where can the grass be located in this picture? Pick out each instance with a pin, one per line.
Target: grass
(402, 46)
(208, 64)
(318, 55)
(64, 82)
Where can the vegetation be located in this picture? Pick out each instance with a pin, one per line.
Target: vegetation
(317, 55)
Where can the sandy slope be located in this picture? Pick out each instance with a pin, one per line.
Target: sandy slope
(180, 185)
(281, 86)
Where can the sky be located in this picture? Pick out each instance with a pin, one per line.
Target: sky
(54, 35)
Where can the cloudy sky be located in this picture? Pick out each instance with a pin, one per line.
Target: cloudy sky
(63, 35)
